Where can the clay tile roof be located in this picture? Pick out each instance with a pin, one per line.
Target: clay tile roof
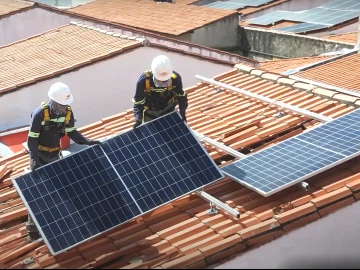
(350, 37)
(8, 7)
(182, 234)
(343, 72)
(56, 52)
(148, 15)
(282, 65)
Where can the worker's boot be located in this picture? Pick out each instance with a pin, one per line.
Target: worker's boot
(33, 233)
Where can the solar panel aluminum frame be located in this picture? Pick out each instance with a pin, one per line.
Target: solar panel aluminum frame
(44, 238)
(301, 179)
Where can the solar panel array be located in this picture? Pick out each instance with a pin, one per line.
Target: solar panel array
(237, 4)
(300, 157)
(327, 15)
(343, 5)
(96, 189)
(301, 28)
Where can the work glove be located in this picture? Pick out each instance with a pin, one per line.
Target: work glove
(137, 123)
(34, 164)
(95, 142)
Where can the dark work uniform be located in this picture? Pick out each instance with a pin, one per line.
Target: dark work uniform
(158, 101)
(50, 136)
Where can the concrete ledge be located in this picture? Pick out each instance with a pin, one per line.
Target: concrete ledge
(275, 43)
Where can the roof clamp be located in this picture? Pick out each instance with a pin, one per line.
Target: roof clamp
(280, 113)
(212, 210)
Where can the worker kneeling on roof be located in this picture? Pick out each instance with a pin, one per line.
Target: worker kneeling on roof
(158, 91)
(49, 123)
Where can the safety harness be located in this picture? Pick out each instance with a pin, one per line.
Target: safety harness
(147, 81)
(148, 88)
(47, 125)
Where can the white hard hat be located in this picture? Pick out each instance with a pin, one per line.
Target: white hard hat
(60, 93)
(162, 68)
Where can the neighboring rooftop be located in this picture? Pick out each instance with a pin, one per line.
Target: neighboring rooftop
(8, 7)
(251, 10)
(55, 52)
(244, 7)
(341, 72)
(282, 65)
(350, 37)
(175, 19)
(329, 16)
(182, 234)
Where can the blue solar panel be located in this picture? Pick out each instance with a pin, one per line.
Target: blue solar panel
(343, 5)
(76, 198)
(87, 193)
(298, 158)
(318, 15)
(301, 28)
(237, 4)
(161, 161)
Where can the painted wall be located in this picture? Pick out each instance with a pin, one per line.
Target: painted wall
(102, 89)
(29, 23)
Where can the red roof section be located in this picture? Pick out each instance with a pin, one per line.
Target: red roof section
(175, 19)
(282, 65)
(350, 37)
(8, 7)
(343, 72)
(181, 234)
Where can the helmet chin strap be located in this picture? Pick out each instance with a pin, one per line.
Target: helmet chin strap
(57, 108)
(161, 83)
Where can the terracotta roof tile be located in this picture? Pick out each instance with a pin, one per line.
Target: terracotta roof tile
(8, 7)
(350, 37)
(182, 234)
(184, 18)
(343, 72)
(282, 65)
(55, 52)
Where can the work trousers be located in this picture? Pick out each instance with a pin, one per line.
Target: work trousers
(44, 158)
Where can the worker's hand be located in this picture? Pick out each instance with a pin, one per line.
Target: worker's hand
(137, 123)
(95, 142)
(34, 164)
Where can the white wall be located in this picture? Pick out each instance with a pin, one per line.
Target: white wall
(102, 89)
(29, 23)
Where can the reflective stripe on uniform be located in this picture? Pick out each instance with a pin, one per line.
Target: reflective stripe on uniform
(70, 129)
(139, 102)
(180, 95)
(34, 134)
(58, 120)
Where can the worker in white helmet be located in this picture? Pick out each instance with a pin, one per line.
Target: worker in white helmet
(49, 123)
(158, 92)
